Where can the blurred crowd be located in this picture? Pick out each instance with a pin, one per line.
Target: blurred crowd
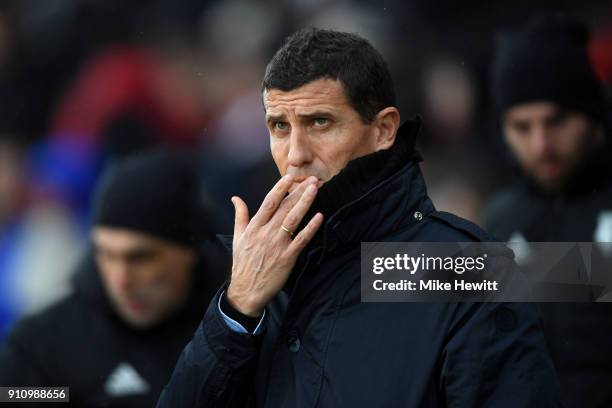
(85, 82)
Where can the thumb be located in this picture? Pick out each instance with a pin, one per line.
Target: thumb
(241, 216)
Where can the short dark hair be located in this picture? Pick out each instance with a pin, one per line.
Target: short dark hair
(311, 54)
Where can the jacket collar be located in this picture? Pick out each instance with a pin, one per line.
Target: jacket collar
(384, 210)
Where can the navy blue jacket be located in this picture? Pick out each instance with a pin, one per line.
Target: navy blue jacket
(323, 347)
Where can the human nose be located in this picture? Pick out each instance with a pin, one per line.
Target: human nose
(541, 140)
(300, 152)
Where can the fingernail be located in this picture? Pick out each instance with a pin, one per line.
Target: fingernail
(312, 180)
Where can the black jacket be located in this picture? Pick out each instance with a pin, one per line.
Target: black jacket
(80, 342)
(323, 347)
(578, 335)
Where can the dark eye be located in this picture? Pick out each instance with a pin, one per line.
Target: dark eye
(321, 122)
(282, 126)
(521, 127)
(558, 119)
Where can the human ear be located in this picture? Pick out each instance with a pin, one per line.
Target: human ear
(386, 123)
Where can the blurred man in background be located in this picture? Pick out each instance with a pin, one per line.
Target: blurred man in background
(554, 121)
(553, 116)
(137, 298)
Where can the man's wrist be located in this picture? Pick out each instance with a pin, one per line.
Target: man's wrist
(242, 306)
(249, 323)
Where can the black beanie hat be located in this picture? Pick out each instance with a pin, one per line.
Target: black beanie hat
(156, 193)
(547, 61)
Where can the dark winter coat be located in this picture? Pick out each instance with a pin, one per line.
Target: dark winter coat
(323, 347)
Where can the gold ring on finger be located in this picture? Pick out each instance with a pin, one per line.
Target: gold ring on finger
(287, 230)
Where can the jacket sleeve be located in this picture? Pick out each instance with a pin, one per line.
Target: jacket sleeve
(216, 368)
(496, 357)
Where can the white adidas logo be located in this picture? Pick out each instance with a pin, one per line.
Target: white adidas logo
(125, 380)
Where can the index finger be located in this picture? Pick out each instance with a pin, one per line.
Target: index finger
(272, 201)
(291, 200)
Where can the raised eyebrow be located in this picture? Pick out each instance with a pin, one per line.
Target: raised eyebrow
(273, 118)
(316, 114)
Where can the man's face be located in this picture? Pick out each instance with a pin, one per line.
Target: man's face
(145, 278)
(550, 143)
(314, 131)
